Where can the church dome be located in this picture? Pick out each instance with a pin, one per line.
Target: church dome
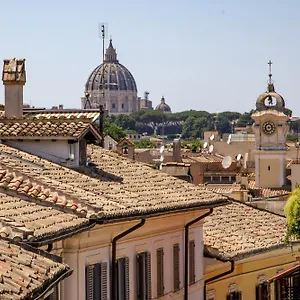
(163, 106)
(116, 76)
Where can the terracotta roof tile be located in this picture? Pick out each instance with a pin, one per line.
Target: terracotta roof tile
(23, 128)
(237, 230)
(116, 187)
(268, 192)
(25, 274)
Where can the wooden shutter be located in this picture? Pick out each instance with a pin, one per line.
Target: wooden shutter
(89, 282)
(55, 294)
(262, 291)
(122, 278)
(148, 274)
(126, 278)
(140, 276)
(103, 281)
(176, 278)
(160, 271)
(192, 275)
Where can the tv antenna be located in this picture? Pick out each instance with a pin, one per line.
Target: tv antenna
(102, 30)
(226, 162)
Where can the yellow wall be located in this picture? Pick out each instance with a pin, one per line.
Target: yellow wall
(269, 178)
(247, 272)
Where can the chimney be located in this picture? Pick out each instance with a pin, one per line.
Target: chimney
(177, 150)
(60, 106)
(14, 78)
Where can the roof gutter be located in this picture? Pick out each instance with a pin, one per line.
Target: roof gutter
(186, 249)
(218, 276)
(114, 256)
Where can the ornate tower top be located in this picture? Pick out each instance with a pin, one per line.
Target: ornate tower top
(111, 54)
(270, 99)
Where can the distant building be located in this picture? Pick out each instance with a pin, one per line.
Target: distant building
(163, 106)
(112, 85)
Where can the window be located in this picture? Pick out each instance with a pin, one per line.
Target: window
(288, 287)
(113, 106)
(192, 274)
(96, 281)
(262, 291)
(143, 278)
(234, 296)
(176, 279)
(122, 105)
(269, 168)
(160, 271)
(122, 278)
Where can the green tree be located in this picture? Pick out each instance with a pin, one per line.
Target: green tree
(292, 212)
(113, 130)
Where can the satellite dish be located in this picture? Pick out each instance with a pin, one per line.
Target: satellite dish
(211, 148)
(226, 162)
(239, 157)
(161, 149)
(229, 141)
(229, 137)
(212, 137)
(161, 158)
(205, 145)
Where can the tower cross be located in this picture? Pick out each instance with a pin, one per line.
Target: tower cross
(270, 71)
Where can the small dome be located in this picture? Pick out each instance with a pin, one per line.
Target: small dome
(116, 76)
(163, 106)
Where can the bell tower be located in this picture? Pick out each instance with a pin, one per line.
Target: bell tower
(270, 129)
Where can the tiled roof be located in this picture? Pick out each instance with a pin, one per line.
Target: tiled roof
(120, 187)
(223, 188)
(25, 274)
(237, 230)
(23, 128)
(93, 115)
(23, 220)
(268, 192)
(202, 157)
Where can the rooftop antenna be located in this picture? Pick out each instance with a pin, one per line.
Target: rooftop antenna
(102, 35)
(226, 162)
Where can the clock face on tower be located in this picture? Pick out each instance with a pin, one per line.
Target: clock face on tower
(268, 127)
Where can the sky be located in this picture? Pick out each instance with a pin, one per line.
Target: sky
(199, 54)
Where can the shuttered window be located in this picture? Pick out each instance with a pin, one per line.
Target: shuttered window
(192, 273)
(234, 296)
(262, 291)
(96, 281)
(176, 278)
(143, 273)
(122, 278)
(160, 271)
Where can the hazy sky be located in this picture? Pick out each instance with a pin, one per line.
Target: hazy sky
(203, 55)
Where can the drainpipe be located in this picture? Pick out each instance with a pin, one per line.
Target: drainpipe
(114, 256)
(218, 276)
(186, 248)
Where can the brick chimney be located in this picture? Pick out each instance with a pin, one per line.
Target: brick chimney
(14, 78)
